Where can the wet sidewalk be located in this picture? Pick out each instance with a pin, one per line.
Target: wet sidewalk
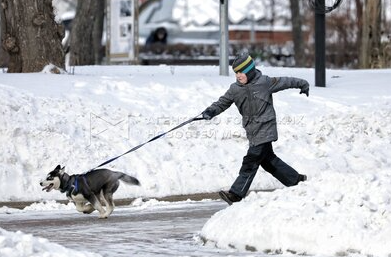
(169, 229)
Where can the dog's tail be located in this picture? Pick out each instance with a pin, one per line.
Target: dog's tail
(128, 179)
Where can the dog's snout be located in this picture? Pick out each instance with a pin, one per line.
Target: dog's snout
(41, 183)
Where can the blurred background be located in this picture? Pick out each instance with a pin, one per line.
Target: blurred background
(187, 32)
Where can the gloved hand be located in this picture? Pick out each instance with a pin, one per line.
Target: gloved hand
(305, 89)
(207, 114)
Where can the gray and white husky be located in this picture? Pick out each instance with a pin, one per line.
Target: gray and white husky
(88, 191)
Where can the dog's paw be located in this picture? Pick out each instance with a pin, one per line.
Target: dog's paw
(88, 209)
(103, 216)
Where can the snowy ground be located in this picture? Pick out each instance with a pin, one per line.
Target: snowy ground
(151, 228)
(340, 137)
(18, 244)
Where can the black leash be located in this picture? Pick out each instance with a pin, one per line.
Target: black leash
(152, 139)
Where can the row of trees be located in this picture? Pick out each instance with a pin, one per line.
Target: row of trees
(31, 39)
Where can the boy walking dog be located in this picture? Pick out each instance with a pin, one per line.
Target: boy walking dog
(252, 95)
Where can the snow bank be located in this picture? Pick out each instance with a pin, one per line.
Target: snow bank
(18, 244)
(153, 204)
(8, 210)
(46, 205)
(49, 205)
(332, 214)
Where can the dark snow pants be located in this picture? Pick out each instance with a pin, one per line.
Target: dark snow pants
(262, 155)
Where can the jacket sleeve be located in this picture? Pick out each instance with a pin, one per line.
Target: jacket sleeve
(280, 83)
(224, 102)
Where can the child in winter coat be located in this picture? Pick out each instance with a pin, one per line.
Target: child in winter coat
(252, 95)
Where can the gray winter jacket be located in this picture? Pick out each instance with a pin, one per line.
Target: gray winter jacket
(255, 103)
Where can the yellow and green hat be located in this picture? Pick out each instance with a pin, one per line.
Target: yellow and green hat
(243, 63)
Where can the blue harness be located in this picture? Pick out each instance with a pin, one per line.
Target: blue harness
(75, 185)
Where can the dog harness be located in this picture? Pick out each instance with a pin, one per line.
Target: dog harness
(74, 187)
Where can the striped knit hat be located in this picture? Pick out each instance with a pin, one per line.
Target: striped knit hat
(245, 64)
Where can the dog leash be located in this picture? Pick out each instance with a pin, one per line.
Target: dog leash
(152, 139)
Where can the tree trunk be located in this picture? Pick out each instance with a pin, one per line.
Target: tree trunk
(359, 14)
(370, 42)
(86, 34)
(98, 31)
(30, 35)
(297, 35)
(4, 58)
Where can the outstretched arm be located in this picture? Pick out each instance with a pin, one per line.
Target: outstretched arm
(281, 83)
(224, 102)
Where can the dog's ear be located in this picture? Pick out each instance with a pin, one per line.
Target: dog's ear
(59, 169)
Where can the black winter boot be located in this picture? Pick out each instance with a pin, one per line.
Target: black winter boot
(301, 178)
(229, 197)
